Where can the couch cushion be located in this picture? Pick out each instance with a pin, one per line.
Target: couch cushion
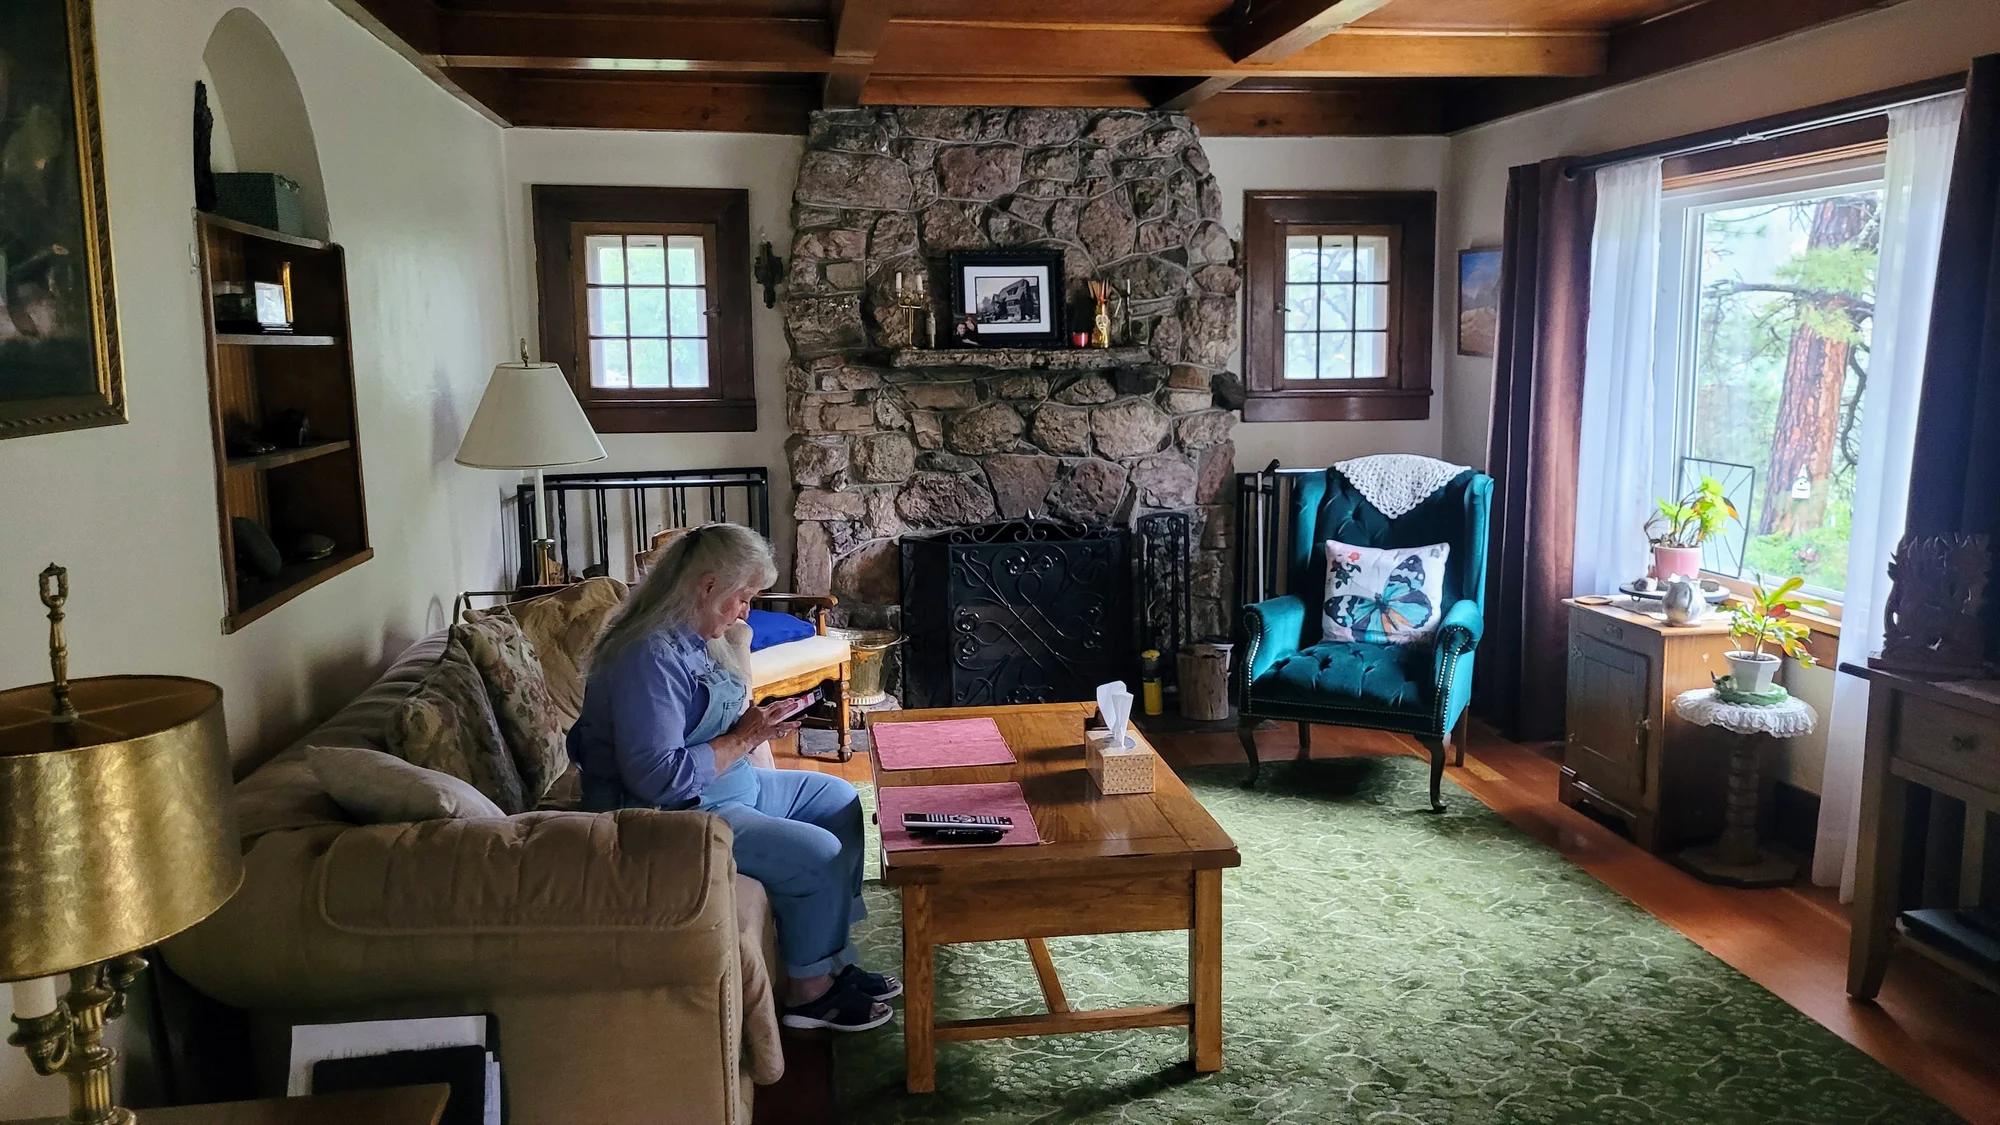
(768, 628)
(563, 627)
(378, 788)
(1375, 677)
(519, 693)
(1378, 595)
(781, 662)
(447, 724)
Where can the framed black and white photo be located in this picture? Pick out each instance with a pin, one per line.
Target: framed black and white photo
(1007, 298)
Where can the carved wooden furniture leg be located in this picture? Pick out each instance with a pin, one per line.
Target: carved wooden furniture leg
(1305, 741)
(843, 714)
(1246, 733)
(1458, 739)
(1045, 972)
(1438, 748)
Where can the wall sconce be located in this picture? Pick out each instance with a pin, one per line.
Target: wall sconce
(768, 269)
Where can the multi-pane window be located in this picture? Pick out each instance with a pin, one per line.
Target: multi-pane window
(645, 304)
(648, 310)
(1336, 306)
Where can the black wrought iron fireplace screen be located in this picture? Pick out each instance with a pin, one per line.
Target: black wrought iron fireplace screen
(1025, 611)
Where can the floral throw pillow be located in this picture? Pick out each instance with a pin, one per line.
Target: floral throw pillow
(446, 724)
(1383, 595)
(519, 693)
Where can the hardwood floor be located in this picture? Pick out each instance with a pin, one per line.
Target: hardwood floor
(1928, 1026)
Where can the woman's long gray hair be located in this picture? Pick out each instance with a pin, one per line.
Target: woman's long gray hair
(670, 594)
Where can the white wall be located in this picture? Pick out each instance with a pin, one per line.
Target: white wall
(1341, 164)
(412, 182)
(1912, 41)
(767, 167)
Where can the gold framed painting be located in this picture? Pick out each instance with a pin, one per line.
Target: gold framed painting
(59, 361)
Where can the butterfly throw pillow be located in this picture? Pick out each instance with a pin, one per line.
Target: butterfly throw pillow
(1383, 595)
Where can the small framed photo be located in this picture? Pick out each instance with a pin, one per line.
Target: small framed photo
(1007, 298)
(1478, 301)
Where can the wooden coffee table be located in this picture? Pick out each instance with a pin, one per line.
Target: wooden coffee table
(1148, 861)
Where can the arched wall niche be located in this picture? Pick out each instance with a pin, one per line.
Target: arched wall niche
(261, 119)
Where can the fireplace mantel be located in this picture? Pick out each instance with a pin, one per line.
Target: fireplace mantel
(1011, 359)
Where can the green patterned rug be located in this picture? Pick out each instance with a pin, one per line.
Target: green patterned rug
(1383, 965)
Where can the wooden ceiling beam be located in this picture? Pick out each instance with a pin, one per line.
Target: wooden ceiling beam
(1279, 30)
(953, 48)
(1368, 110)
(1071, 92)
(638, 102)
(856, 27)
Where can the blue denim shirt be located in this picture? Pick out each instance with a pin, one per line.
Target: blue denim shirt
(638, 740)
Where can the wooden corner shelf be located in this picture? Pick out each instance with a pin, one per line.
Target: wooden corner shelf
(253, 378)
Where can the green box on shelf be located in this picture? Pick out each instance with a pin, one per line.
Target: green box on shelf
(266, 199)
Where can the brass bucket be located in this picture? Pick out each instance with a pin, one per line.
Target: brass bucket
(866, 679)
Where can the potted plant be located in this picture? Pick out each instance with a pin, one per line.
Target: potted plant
(1679, 528)
(1767, 619)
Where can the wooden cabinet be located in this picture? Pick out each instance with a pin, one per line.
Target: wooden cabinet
(1626, 753)
(257, 378)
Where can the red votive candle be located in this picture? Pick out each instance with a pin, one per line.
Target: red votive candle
(1080, 339)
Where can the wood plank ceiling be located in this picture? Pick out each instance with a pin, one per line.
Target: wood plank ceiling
(1238, 67)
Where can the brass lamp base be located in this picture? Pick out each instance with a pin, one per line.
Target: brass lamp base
(70, 1040)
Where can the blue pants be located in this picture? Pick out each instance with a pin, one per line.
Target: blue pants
(799, 834)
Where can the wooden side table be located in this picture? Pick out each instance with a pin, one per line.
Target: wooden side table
(401, 1105)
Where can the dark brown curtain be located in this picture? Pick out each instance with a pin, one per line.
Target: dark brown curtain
(1955, 470)
(1532, 450)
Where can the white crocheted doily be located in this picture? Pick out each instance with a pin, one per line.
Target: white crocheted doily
(1397, 482)
(1703, 707)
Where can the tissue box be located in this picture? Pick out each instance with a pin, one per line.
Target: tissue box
(1119, 769)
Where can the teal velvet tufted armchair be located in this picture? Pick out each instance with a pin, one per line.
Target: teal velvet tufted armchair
(1288, 672)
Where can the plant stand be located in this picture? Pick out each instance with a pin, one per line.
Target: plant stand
(1736, 859)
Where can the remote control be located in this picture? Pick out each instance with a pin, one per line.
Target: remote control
(965, 835)
(925, 822)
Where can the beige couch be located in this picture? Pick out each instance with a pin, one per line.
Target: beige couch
(623, 956)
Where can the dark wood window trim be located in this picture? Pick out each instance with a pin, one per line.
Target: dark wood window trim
(722, 217)
(1411, 219)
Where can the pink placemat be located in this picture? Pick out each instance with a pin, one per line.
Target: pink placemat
(999, 799)
(947, 742)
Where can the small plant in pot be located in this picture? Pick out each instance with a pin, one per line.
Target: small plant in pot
(1767, 618)
(1680, 527)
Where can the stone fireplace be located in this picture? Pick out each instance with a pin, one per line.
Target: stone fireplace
(889, 440)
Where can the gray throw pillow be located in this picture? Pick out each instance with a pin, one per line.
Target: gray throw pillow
(378, 788)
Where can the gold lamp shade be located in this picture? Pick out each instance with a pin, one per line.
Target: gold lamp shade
(117, 829)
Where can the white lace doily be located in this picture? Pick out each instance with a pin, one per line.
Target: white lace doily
(1703, 707)
(1397, 482)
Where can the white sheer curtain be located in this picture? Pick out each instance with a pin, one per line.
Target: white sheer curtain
(1621, 406)
(1915, 176)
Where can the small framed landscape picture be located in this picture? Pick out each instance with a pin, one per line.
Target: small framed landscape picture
(1478, 302)
(1006, 298)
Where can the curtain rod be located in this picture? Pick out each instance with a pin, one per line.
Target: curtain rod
(1777, 125)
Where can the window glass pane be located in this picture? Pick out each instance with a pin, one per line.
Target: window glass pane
(1300, 303)
(1371, 257)
(1301, 356)
(645, 259)
(684, 312)
(604, 259)
(1336, 307)
(686, 263)
(648, 311)
(1336, 257)
(649, 363)
(1371, 306)
(1371, 355)
(1301, 258)
(607, 312)
(1781, 293)
(1336, 355)
(607, 364)
(690, 363)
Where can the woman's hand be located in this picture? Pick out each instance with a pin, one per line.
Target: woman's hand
(757, 726)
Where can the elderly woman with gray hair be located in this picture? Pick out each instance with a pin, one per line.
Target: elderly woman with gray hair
(664, 725)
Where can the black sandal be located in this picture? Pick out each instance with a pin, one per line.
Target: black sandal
(841, 1008)
(877, 986)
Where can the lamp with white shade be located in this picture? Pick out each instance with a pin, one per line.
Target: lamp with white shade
(529, 419)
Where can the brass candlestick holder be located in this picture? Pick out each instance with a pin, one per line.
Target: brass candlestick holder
(116, 832)
(917, 303)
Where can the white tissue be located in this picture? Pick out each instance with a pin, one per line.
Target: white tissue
(1114, 705)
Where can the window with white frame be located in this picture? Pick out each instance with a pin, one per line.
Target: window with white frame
(1765, 314)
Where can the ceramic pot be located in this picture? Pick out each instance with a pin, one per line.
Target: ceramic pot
(1751, 672)
(1669, 561)
(1682, 600)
